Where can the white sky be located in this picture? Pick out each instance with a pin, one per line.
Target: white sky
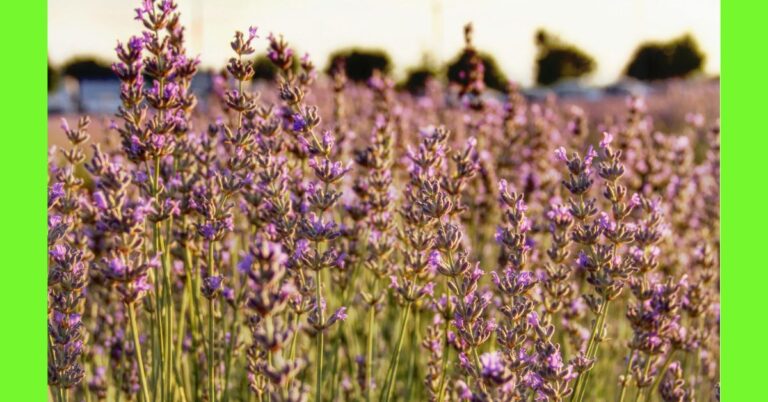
(610, 30)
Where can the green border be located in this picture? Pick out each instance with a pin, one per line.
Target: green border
(23, 241)
(744, 290)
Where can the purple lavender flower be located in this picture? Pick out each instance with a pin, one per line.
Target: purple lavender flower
(252, 32)
(607, 139)
(492, 366)
(561, 155)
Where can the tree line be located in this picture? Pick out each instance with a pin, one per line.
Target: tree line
(555, 61)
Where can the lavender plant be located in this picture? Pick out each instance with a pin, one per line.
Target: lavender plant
(328, 240)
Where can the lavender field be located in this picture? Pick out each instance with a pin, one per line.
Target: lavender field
(320, 239)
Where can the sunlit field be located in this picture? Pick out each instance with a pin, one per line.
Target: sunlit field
(316, 238)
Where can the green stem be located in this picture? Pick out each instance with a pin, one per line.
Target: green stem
(181, 326)
(664, 368)
(168, 307)
(386, 393)
(292, 352)
(211, 343)
(320, 340)
(139, 359)
(626, 374)
(444, 366)
(336, 345)
(335, 368)
(369, 352)
(192, 282)
(640, 394)
(583, 378)
(233, 335)
(211, 363)
(120, 368)
(86, 391)
(412, 358)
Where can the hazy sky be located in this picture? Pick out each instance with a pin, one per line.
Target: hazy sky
(610, 30)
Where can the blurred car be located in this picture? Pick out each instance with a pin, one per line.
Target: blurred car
(575, 89)
(628, 87)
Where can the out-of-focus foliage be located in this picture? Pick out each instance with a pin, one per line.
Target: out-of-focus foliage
(53, 77)
(360, 63)
(494, 77)
(263, 69)
(417, 78)
(679, 57)
(87, 68)
(558, 60)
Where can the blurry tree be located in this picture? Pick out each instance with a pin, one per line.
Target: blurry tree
(53, 77)
(557, 60)
(87, 68)
(416, 80)
(360, 63)
(265, 70)
(493, 78)
(678, 57)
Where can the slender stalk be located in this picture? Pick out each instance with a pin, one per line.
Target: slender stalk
(587, 375)
(640, 395)
(211, 363)
(369, 354)
(121, 367)
(233, 335)
(195, 315)
(86, 392)
(181, 326)
(386, 393)
(336, 345)
(335, 369)
(369, 350)
(292, 352)
(693, 372)
(139, 359)
(583, 378)
(193, 286)
(320, 340)
(168, 332)
(211, 346)
(664, 368)
(626, 373)
(55, 393)
(444, 369)
(412, 358)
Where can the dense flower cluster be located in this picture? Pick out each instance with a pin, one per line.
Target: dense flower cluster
(329, 241)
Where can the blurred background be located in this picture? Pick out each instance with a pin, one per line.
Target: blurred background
(586, 50)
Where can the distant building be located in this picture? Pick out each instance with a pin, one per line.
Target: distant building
(576, 89)
(629, 87)
(202, 87)
(63, 99)
(99, 96)
(102, 96)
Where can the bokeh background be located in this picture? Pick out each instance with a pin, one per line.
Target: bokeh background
(609, 30)
(592, 53)
(415, 36)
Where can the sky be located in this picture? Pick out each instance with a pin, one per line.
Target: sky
(609, 30)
